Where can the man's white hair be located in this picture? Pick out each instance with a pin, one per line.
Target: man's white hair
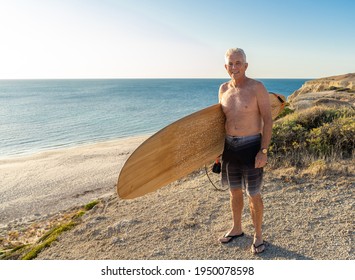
(231, 51)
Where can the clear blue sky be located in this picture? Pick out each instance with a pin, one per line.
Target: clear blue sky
(174, 39)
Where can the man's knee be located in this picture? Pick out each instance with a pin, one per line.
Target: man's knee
(255, 200)
(236, 193)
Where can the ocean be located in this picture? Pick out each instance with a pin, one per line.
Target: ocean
(37, 115)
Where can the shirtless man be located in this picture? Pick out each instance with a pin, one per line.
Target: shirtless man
(245, 103)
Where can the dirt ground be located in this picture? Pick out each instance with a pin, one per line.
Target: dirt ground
(304, 218)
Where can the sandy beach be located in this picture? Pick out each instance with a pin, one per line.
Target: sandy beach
(52, 181)
(307, 215)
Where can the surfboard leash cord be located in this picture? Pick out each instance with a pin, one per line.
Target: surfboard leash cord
(209, 178)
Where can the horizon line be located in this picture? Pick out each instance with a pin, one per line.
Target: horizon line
(156, 78)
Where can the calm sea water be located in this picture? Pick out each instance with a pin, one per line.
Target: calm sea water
(37, 115)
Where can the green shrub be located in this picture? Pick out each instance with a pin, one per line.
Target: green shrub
(336, 137)
(317, 116)
(311, 134)
(285, 112)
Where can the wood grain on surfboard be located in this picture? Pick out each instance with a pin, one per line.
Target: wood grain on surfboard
(173, 152)
(177, 150)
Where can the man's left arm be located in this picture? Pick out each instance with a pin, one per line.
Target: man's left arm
(265, 111)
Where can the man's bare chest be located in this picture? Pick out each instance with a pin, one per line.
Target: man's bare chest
(239, 101)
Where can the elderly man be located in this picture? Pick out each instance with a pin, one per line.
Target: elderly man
(245, 103)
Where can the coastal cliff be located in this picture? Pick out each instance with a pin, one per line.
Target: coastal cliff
(334, 91)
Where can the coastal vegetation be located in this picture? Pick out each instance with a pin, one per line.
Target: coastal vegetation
(301, 138)
(17, 246)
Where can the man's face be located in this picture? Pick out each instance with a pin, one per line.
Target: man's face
(236, 65)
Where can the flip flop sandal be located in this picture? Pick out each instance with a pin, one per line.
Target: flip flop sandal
(231, 237)
(256, 247)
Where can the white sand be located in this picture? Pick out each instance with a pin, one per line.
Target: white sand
(51, 181)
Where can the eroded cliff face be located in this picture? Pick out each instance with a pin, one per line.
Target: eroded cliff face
(332, 91)
(346, 81)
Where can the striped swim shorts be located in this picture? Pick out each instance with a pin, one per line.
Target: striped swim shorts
(238, 163)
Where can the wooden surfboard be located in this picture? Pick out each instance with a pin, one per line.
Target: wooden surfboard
(277, 102)
(177, 150)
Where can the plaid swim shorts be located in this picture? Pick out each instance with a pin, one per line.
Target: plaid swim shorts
(238, 163)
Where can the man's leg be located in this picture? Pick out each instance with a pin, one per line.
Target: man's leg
(237, 204)
(256, 210)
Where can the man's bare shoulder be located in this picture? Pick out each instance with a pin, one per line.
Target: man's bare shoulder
(257, 86)
(224, 87)
(255, 83)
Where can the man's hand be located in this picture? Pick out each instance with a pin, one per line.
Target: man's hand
(260, 160)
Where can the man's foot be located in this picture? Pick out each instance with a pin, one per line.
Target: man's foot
(228, 237)
(258, 249)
